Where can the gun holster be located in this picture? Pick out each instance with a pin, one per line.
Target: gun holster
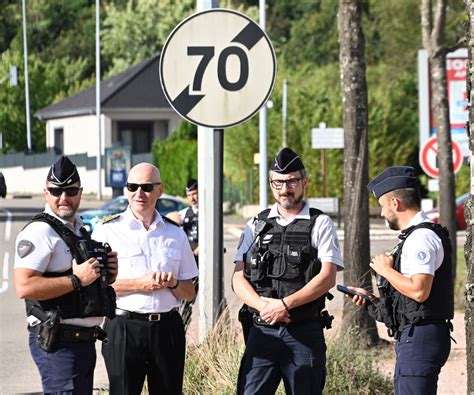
(47, 332)
(246, 320)
(326, 319)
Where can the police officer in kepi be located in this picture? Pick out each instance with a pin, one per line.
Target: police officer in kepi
(189, 219)
(415, 284)
(64, 277)
(190, 216)
(286, 263)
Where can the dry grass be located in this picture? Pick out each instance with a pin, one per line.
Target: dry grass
(212, 367)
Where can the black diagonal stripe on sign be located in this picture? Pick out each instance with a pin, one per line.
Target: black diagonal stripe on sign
(185, 102)
(249, 35)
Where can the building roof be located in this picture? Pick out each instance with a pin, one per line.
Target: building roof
(135, 88)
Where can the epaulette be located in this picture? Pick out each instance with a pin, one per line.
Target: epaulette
(109, 218)
(166, 219)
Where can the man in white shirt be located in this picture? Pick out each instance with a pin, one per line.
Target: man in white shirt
(156, 268)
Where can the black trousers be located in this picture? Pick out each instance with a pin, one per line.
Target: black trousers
(139, 349)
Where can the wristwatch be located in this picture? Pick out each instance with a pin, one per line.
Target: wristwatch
(76, 283)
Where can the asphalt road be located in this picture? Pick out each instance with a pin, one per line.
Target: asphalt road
(18, 374)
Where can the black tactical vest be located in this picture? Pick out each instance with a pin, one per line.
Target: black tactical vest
(93, 300)
(439, 306)
(190, 227)
(283, 261)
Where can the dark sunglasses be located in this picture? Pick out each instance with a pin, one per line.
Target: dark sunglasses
(70, 191)
(132, 187)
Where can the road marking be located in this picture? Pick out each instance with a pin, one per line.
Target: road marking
(6, 258)
(8, 224)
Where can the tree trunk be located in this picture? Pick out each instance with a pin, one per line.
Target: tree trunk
(356, 204)
(468, 250)
(432, 26)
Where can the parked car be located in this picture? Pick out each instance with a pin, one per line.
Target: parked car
(460, 220)
(3, 186)
(164, 205)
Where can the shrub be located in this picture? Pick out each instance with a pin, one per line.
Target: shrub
(212, 367)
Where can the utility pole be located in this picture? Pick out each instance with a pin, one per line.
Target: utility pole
(97, 99)
(284, 114)
(27, 85)
(262, 126)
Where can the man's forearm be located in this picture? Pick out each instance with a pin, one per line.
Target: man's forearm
(316, 288)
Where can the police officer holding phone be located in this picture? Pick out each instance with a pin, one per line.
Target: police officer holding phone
(415, 284)
(65, 286)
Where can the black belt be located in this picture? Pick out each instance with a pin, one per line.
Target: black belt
(153, 317)
(74, 333)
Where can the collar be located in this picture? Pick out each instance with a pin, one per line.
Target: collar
(303, 214)
(419, 217)
(77, 219)
(134, 222)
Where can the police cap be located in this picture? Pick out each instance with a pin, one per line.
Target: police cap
(192, 185)
(397, 177)
(63, 173)
(286, 161)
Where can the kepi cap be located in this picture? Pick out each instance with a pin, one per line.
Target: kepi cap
(192, 185)
(286, 161)
(63, 173)
(396, 177)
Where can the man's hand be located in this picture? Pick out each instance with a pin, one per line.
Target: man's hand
(88, 271)
(359, 300)
(148, 282)
(274, 311)
(112, 266)
(196, 251)
(165, 279)
(382, 263)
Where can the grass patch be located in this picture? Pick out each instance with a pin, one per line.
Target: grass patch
(461, 279)
(212, 367)
(353, 370)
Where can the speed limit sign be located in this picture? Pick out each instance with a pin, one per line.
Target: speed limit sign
(217, 68)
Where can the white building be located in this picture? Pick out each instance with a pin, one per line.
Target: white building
(134, 112)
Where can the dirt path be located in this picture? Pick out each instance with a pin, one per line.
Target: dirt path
(453, 377)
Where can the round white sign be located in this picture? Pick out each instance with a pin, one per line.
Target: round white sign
(217, 68)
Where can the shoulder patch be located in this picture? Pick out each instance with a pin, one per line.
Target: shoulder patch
(24, 248)
(109, 218)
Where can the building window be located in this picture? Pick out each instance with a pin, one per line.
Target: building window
(136, 135)
(58, 141)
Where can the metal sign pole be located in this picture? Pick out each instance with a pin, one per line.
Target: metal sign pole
(208, 90)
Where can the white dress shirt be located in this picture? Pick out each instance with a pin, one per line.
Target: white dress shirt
(164, 247)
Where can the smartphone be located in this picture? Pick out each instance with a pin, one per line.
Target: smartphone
(347, 291)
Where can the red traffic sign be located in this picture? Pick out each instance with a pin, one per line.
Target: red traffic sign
(429, 157)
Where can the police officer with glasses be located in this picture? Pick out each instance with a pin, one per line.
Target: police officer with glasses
(156, 268)
(65, 286)
(285, 264)
(415, 284)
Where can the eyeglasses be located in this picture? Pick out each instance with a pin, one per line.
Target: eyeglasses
(290, 183)
(70, 191)
(132, 187)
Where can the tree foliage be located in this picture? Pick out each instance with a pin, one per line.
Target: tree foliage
(61, 43)
(177, 161)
